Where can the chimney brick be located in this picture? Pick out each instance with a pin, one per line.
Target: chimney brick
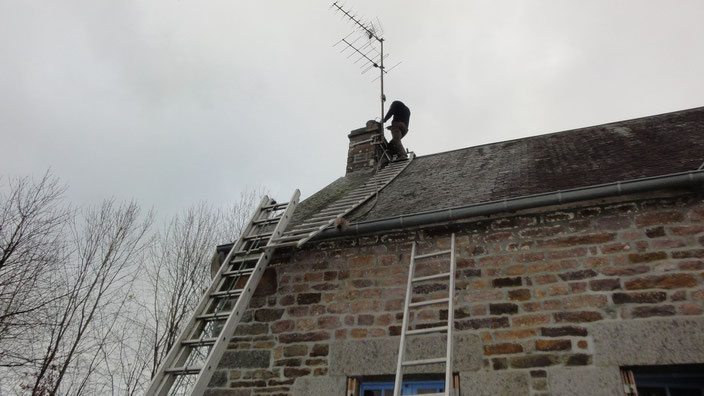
(363, 155)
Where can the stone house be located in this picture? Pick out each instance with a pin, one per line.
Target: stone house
(580, 262)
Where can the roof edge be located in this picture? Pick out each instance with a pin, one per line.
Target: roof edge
(673, 180)
(571, 130)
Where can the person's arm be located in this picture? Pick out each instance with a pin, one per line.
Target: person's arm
(388, 115)
(391, 111)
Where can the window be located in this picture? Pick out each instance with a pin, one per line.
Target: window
(409, 388)
(675, 380)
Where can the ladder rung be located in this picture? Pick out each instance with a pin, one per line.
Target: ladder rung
(369, 187)
(430, 302)
(354, 199)
(288, 238)
(302, 230)
(347, 200)
(276, 206)
(429, 277)
(258, 236)
(320, 216)
(427, 330)
(267, 221)
(332, 211)
(183, 371)
(327, 218)
(200, 342)
(247, 271)
(341, 206)
(386, 172)
(424, 361)
(214, 316)
(227, 293)
(330, 215)
(244, 259)
(392, 165)
(395, 165)
(285, 244)
(356, 195)
(368, 190)
(359, 194)
(362, 192)
(382, 176)
(351, 199)
(248, 252)
(311, 223)
(433, 254)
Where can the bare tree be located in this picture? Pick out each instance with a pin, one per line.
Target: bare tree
(90, 303)
(94, 286)
(32, 224)
(237, 213)
(180, 273)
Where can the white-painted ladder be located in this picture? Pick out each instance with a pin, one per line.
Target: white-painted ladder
(447, 329)
(193, 358)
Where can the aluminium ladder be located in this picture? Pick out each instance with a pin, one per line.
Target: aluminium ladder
(193, 358)
(447, 329)
(312, 226)
(302, 233)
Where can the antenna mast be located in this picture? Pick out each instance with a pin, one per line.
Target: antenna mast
(366, 51)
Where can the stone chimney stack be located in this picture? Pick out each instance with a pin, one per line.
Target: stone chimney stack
(363, 155)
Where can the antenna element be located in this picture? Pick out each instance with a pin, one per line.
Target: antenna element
(371, 51)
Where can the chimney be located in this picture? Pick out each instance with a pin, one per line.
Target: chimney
(365, 150)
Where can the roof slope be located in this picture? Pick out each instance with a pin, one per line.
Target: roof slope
(329, 194)
(620, 151)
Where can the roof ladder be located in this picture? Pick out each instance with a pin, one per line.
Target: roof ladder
(313, 226)
(450, 389)
(193, 358)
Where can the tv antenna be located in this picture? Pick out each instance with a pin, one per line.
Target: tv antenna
(365, 44)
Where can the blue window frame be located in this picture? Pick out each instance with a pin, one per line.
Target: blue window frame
(409, 388)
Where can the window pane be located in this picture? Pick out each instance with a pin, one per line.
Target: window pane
(409, 388)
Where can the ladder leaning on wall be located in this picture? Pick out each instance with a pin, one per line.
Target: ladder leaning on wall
(193, 358)
(450, 386)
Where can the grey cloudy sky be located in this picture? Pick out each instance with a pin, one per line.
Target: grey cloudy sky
(172, 102)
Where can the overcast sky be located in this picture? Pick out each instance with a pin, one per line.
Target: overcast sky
(172, 102)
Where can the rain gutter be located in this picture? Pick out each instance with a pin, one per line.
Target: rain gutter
(674, 180)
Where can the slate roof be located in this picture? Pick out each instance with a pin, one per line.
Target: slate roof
(619, 151)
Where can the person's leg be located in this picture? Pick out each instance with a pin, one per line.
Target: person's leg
(404, 129)
(395, 143)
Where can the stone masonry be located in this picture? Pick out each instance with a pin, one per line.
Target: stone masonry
(549, 301)
(362, 154)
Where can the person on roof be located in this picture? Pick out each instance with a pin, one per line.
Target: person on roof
(398, 127)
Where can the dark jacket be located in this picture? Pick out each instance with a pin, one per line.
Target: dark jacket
(399, 111)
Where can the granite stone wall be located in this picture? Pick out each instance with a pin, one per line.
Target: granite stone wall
(548, 302)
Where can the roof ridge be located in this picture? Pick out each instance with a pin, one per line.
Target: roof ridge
(542, 135)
